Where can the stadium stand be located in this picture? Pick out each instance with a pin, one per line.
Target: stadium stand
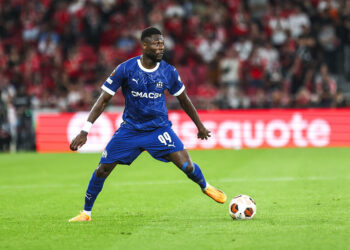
(231, 54)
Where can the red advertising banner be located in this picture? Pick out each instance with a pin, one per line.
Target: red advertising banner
(235, 129)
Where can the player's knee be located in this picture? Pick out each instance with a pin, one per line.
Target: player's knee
(100, 172)
(103, 171)
(187, 167)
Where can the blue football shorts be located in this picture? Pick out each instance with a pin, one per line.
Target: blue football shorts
(127, 144)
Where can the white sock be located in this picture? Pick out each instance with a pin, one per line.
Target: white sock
(87, 212)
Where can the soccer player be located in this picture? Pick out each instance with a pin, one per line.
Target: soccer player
(145, 125)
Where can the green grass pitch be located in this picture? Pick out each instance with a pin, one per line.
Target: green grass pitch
(302, 196)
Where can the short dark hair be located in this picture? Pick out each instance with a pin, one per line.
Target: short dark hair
(149, 32)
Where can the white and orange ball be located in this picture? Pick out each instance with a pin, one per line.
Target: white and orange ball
(242, 207)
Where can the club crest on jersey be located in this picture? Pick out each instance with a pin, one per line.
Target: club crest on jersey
(159, 85)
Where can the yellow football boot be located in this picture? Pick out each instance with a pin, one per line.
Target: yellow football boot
(215, 193)
(81, 217)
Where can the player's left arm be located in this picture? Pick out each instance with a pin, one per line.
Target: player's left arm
(191, 111)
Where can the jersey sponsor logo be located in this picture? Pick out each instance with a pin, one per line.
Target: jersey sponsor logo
(146, 95)
(109, 80)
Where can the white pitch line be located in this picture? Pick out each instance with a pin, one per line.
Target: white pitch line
(184, 181)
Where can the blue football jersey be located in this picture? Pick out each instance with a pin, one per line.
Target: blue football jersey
(143, 90)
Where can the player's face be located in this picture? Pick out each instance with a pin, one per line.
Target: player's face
(154, 48)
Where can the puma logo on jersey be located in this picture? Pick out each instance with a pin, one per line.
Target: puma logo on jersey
(137, 81)
(146, 95)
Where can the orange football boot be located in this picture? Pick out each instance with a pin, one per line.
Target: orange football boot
(215, 193)
(81, 217)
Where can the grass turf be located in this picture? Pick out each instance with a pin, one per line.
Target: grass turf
(302, 198)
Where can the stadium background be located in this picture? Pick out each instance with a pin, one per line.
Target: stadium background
(263, 73)
(231, 54)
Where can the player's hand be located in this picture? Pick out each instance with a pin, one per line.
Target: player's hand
(203, 133)
(78, 141)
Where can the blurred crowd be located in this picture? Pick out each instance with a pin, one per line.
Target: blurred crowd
(55, 55)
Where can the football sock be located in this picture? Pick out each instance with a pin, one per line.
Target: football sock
(87, 212)
(94, 188)
(195, 175)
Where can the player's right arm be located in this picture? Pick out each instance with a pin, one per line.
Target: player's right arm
(95, 112)
(110, 86)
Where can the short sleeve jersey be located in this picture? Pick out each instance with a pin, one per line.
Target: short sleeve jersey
(143, 90)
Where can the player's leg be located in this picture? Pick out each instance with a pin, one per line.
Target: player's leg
(183, 161)
(122, 148)
(96, 184)
(164, 145)
(94, 188)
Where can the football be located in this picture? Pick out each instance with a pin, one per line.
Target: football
(242, 207)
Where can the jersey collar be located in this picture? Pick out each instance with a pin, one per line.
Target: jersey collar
(147, 70)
